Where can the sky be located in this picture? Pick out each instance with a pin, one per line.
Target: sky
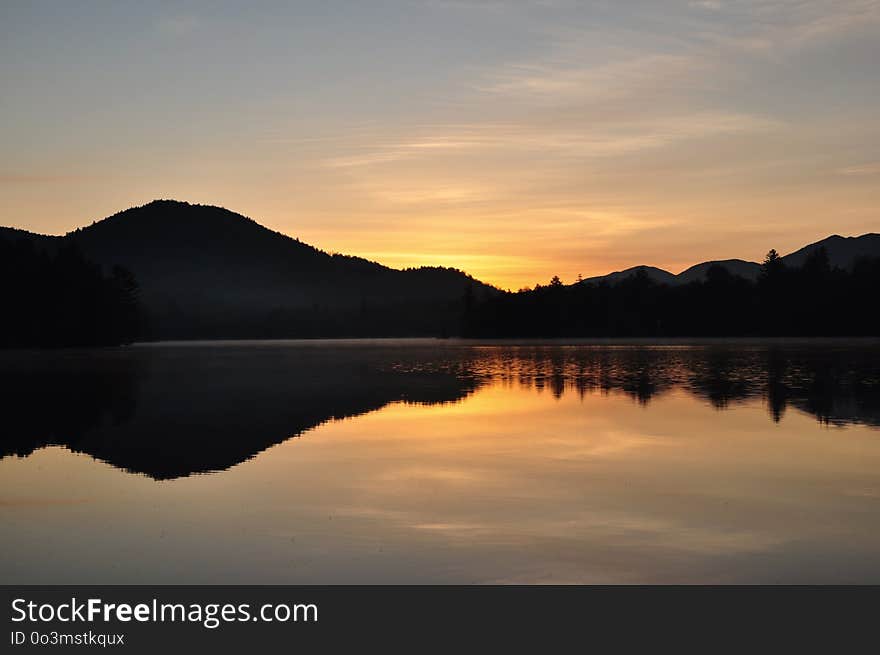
(515, 140)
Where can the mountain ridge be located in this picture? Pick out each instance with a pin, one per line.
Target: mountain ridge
(205, 271)
(842, 251)
(208, 272)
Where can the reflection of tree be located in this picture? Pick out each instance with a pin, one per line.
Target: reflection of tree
(170, 412)
(837, 385)
(640, 379)
(721, 376)
(777, 393)
(50, 399)
(173, 412)
(819, 391)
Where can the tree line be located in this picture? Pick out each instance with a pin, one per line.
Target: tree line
(57, 297)
(63, 299)
(815, 299)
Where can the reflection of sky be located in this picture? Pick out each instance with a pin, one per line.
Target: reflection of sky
(516, 140)
(507, 485)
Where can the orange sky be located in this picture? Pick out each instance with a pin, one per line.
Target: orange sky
(514, 140)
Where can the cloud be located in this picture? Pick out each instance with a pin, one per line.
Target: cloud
(792, 24)
(429, 194)
(862, 169)
(613, 138)
(178, 26)
(569, 79)
(16, 179)
(499, 5)
(591, 66)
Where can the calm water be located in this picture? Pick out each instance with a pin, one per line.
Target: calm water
(442, 461)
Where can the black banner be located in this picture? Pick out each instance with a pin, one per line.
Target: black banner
(220, 619)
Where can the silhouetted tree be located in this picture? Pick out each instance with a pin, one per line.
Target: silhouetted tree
(816, 264)
(64, 299)
(772, 266)
(772, 297)
(811, 300)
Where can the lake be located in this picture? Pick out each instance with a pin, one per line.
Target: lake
(442, 461)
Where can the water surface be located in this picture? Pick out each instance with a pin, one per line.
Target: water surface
(442, 461)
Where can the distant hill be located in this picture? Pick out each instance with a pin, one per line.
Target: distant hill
(656, 274)
(205, 271)
(14, 234)
(748, 270)
(843, 252)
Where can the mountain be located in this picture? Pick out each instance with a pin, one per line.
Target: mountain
(843, 252)
(656, 274)
(14, 234)
(697, 272)
(205, 272)
(740, 267)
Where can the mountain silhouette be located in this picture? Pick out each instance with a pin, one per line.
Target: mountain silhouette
(655, 274)
(739, 267)
(205, 271)
(843, 252)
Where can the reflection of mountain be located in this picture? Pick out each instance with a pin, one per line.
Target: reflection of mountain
(170, 411)
(173, 412)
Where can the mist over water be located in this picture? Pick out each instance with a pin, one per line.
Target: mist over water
(442, 461)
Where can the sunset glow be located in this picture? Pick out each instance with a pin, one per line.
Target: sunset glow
(514, 140)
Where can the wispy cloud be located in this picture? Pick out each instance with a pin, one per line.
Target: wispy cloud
(861, 169)
(568, 80)
(430, 194)
(42, 178)
(178, 25)
(781, 25)
(583, 141)
(590, 66)
(712, 5)
(498, 5)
